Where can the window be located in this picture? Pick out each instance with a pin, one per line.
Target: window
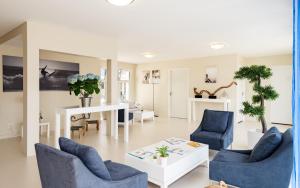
(124, 87)
(103, 84)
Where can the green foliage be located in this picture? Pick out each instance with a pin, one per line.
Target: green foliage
(163, 151)
(255, 74)
(84, 85)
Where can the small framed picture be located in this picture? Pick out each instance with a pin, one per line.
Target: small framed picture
(155, 76)
(211, 75)
(146, 77)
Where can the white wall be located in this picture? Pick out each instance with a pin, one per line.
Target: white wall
(226, 65)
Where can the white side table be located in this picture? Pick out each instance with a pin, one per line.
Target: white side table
(141, 115)
(41, 127)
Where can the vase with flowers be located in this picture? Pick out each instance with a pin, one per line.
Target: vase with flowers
(84, 86)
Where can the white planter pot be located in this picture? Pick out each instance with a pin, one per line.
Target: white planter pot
(253, 137)
(163, 161)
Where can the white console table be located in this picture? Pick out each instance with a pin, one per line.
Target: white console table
(192, 105)
(69, 111)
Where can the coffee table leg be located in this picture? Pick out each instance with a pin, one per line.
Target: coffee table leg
(164, 186)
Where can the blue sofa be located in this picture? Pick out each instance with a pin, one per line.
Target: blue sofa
(236, 168)
(60, 169)
(216, 129)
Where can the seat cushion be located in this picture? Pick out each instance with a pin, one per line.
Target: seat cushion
(88, 155)
(119, 171)
(230, 156)
(268, 143)
(213, 139)
(215, 121)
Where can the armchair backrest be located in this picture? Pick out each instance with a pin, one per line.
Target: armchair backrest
(217, 121)
(281, 161)
(62, 170)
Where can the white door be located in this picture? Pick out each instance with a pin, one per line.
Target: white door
(281, 108)
(179, 90)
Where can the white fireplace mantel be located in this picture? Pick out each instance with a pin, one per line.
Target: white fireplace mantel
(192, 105)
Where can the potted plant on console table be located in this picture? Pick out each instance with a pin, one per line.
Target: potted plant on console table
(163, 155)
(84, 86)
(255, 74)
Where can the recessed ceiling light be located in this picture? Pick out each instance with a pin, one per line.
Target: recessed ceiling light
(217, 45)
(120, 2)
(148, 55)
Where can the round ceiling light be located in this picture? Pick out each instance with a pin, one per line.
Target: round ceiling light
(148, 55)
(120, 2)
(217, 45)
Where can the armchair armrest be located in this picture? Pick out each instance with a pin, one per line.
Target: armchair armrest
(227, 137)
(85, 178)
(239, 174)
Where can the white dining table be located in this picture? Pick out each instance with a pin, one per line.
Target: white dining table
(67, 112)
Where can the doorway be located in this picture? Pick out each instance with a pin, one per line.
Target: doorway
(178, 92)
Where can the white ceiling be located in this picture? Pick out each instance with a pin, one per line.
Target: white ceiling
(172, 29)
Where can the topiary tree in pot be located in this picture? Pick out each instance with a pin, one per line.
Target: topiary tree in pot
(255, 74)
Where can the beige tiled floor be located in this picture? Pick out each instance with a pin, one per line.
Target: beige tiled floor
(18, 171)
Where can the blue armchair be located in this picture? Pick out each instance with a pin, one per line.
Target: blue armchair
(216, 129)
(59, 169)
(235, 167)
(121, 118)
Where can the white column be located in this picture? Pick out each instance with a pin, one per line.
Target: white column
(30, 93)
(112, 92)
(57, 129)
(67, 129)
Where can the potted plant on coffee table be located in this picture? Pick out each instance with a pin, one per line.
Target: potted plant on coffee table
(163, 155)
(256, 108)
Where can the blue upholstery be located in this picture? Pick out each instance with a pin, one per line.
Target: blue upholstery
(88, 155)
(234, 168)
(120, 171)
(231, 156)
(266, 145)
(59, 169)
(215, 121)
(121, 118)
(216, 140)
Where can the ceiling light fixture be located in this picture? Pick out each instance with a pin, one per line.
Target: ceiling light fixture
(120, 2)
(148, 55)
(217, 45)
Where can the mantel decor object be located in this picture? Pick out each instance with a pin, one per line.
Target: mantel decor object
(84, 86)
(212, 95)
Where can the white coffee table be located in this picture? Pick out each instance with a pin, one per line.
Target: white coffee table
(145, 114)
(182, 159)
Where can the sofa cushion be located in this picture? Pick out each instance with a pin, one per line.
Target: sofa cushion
(88, 155)
(119, 171)
(213, 139)
(230, 156)
(215, 121)
(266, 145)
